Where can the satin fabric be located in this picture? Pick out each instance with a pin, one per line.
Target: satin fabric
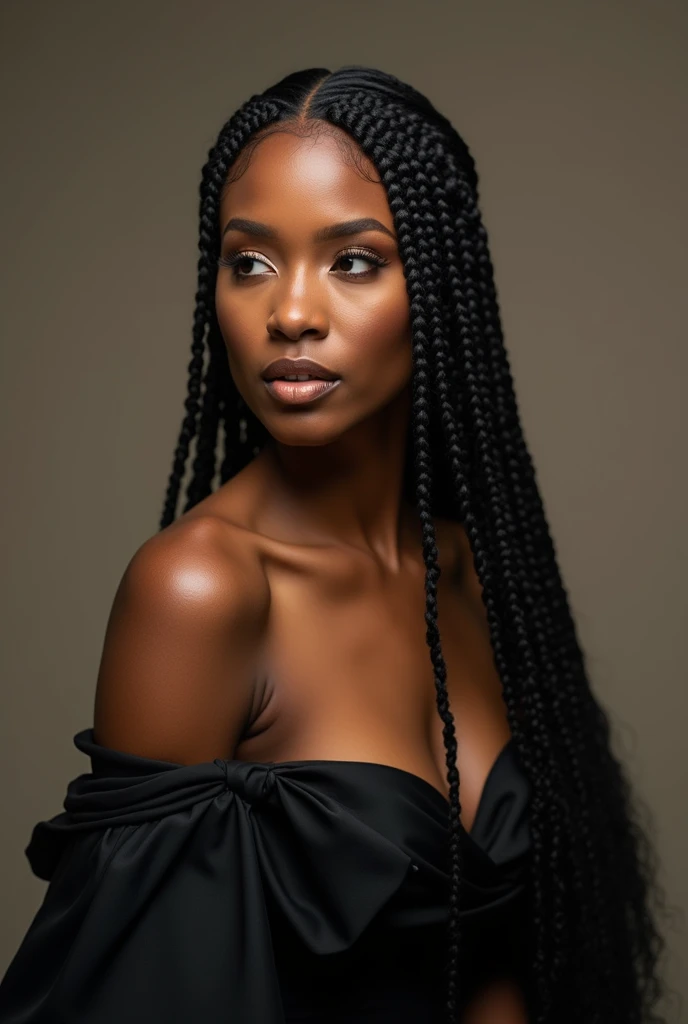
(208, 892)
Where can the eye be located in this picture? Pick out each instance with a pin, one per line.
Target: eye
(361, 256)
(235, 259)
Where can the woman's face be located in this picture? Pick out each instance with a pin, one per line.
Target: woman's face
(292, 292)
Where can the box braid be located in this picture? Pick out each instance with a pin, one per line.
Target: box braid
(620, 857)
(595, 944)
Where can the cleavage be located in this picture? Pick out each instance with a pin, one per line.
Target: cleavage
(347, 675)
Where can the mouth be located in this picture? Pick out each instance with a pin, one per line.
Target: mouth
(299, 369)
(297, 389)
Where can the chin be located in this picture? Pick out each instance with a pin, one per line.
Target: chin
(304, 435)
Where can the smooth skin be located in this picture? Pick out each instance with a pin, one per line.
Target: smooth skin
(282, 618)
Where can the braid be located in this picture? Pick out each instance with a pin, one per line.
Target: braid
(594, 943)
(206, 446)
(538, 558)
(237, 131)
(496, 569)
(619, 856)
(188, 430)
(398, 171)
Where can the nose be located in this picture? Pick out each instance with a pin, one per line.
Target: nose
(299, 309)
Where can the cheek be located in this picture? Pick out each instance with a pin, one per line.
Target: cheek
(229, 316)
(381, 334)
(237, 327)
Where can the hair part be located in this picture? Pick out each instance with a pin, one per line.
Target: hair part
(595, 943)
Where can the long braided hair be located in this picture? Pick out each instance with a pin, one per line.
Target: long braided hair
(595, 944)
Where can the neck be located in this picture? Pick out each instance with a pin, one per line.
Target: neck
(347, 492)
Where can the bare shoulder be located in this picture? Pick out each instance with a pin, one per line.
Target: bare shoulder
(177, 677)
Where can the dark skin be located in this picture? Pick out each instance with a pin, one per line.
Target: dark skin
(282, 618)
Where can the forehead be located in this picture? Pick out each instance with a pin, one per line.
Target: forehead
(324, 176)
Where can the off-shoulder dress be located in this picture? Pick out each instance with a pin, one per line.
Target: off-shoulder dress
(234, 892)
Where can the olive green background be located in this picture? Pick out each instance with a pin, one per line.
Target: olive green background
(574, 113)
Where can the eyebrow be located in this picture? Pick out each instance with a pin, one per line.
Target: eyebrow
(347, 227)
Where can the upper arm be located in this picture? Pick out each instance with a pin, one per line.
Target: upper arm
(178, 669)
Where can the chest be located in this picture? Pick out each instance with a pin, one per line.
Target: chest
(346, 668)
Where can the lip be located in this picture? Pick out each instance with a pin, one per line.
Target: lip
(287, 367)
(299, 392)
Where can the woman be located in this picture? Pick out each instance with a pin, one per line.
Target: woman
(293, 813)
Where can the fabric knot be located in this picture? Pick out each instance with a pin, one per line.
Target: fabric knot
(252, 781)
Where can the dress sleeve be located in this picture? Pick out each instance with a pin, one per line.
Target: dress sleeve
(154, 910)
(160, 878)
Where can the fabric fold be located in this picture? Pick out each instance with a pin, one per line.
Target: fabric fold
(156, 908)
(162, 878)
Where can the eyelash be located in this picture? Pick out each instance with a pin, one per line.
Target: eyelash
(235, 256)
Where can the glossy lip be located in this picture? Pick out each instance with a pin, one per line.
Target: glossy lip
(286, 367)
(292, 392)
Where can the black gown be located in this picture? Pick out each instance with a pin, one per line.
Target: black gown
(234, 892)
